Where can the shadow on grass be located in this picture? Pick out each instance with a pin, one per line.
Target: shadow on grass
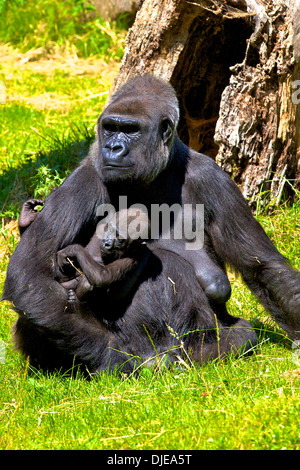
(59, 159)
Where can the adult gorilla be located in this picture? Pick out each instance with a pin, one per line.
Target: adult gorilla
(138, 154)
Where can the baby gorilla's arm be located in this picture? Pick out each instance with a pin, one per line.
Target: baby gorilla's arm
(97, 274)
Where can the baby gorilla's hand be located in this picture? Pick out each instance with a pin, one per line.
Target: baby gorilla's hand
(67, 257)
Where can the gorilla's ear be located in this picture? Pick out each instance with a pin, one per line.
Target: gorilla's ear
(167, 130)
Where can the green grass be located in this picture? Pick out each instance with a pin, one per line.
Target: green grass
(249, 403)
(46, 125)
(48, 118)
(53, 23)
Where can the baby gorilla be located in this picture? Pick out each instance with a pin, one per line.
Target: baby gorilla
(82, 269)
(114, 254)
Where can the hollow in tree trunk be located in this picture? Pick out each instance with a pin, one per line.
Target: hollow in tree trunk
(235, 65)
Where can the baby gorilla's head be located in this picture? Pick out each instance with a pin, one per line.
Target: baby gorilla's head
(125, 234)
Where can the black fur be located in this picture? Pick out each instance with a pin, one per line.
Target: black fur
(159, 169)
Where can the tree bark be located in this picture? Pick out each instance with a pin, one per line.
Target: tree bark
(235, 65)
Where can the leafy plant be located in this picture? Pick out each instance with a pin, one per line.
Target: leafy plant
(45, 181)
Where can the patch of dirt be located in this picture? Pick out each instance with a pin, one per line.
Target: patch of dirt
(44, 62)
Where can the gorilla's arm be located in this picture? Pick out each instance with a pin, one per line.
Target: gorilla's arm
(69, 215)
(240, 241)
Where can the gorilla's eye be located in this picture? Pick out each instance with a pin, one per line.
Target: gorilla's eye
(110, 127)
(122, 127)
(130, 128)
(165, 125)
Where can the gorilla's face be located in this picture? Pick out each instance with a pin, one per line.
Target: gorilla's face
(113, 245)
(136, 132)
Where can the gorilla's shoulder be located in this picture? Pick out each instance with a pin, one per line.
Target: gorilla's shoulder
(205, 176)
(199, 162)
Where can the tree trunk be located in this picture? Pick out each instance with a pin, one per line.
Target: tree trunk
(235, 65)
